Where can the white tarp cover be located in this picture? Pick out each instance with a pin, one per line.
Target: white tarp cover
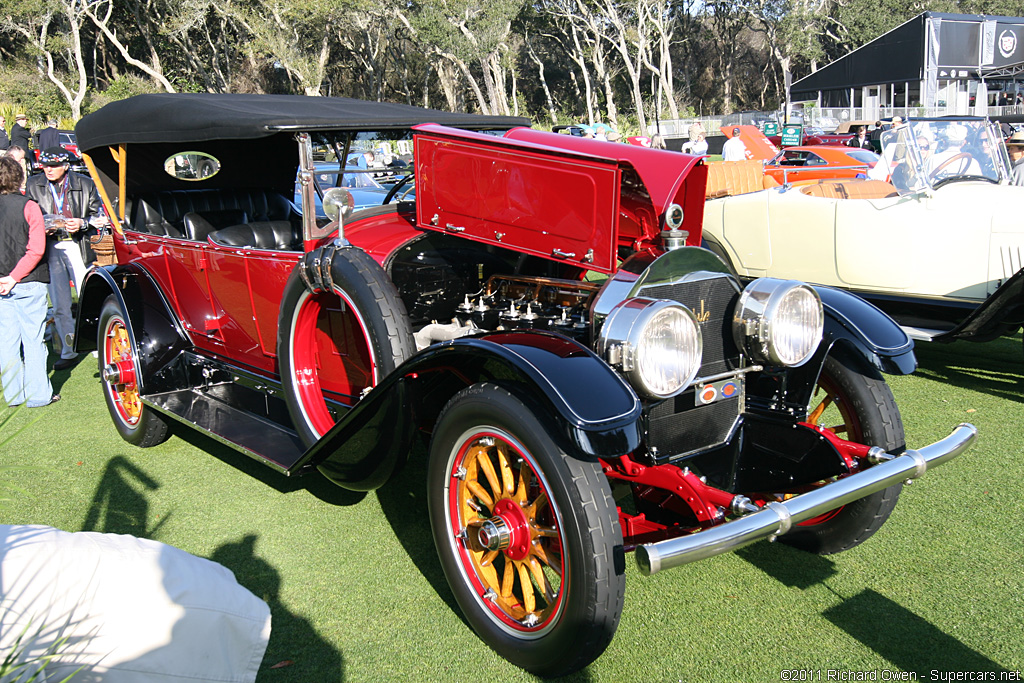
(133, 610)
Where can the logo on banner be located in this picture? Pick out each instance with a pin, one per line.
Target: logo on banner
(1007, 43)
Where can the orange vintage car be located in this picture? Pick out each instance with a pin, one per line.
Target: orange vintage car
(815, 162)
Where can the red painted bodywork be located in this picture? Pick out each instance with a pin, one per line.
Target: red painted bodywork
(541, 191)
(758, 146)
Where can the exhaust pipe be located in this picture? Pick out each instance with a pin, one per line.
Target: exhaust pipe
(776, 519)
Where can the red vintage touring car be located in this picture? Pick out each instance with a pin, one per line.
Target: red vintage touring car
(591, 381)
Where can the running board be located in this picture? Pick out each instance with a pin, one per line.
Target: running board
(251, 434)
(922, 334)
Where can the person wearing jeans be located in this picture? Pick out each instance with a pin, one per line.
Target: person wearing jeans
(72, 200)
(24, 275)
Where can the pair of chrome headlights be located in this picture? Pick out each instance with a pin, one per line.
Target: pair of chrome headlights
(658, 346)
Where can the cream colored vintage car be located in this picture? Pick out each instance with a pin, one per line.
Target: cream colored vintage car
(935, 237)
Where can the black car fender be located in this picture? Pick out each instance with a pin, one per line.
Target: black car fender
(852, 321)
(851, 326)
(157, 335)
(590, 410)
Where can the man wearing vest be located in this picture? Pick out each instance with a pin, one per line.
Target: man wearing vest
(23, 278)
(70, 201)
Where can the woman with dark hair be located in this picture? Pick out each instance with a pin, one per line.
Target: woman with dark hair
(23, 279)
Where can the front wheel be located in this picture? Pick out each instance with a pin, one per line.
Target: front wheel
(137, 424)
(852, 400)
(528, 535)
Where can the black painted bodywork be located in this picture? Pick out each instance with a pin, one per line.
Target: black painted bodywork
(588, 407)
(157, 335)
(590, 410)
(1001, 313)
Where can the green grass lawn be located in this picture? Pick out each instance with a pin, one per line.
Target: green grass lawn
(357, 593)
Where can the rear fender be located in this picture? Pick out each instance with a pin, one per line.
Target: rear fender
(589, 409)
(157, 336)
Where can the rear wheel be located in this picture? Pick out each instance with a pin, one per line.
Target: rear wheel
(852, 400)
(137, 423)
(528, 536)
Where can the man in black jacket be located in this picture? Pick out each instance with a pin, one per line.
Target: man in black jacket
(48, 137)
(71, 202)
(5, 141)
(20, 134)
(860, 139)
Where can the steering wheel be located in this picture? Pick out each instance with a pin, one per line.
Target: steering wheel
(959, 156)
(398, 186)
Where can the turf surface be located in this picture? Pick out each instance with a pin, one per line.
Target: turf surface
(357, 593)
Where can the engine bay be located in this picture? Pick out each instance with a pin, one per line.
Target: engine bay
(453, 288)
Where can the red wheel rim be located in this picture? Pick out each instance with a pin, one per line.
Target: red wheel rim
(492, 477)
(117, 349)
(331, 356)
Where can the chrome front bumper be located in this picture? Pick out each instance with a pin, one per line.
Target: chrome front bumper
(776, 519)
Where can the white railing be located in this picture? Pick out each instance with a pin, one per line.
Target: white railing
(827, 117)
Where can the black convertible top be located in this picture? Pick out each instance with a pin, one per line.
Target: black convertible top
(197, 117)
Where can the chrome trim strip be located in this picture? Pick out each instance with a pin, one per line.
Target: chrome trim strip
(776, 518)
(727, 374)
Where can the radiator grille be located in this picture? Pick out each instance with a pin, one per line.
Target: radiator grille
(714, 299)
(677, 427)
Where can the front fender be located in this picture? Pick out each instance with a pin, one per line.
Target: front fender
(852, 326)
(157, 335)
(588, 407)
(852, 321)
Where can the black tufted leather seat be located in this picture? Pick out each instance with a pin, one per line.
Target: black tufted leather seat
(195, 214)
(276, 235)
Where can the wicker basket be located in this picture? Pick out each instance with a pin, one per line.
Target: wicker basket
(104, 248)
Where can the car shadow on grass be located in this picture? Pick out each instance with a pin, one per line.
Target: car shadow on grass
(995, 368)
(404, 503)
(906, 640)
(313, 482)
(296, 652)
(789, 566)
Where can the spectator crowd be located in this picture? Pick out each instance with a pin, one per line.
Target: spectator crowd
(46, 221)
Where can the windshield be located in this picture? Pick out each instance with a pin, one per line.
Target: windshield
(326, 176)
(929, 153)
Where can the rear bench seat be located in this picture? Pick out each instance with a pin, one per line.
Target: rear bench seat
(848, 188)
(233, 217)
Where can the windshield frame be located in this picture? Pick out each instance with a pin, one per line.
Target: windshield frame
(914, 166)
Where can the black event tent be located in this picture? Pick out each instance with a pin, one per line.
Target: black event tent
(929, 48)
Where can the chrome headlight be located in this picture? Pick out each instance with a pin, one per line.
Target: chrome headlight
(778, 321)
(656, 343)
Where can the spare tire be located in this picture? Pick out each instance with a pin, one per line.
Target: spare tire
(341, 329)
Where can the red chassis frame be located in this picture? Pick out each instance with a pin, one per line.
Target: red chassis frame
(678, 489)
